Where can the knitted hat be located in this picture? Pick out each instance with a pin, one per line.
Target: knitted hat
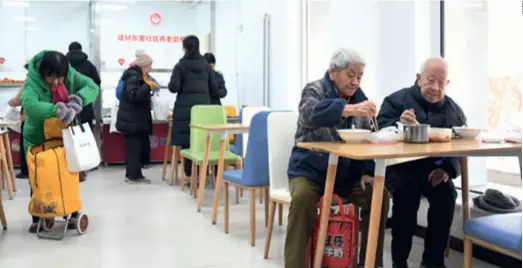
(142, 58)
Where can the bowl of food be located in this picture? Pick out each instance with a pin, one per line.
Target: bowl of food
(440, 134)
(354, 135)
(467, 133)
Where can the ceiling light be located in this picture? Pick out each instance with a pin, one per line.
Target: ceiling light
(16, 4)
(112, 7)
(22, 18)
(29, 28)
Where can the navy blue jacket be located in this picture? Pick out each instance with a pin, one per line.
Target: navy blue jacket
(443, 114)
(320, 116)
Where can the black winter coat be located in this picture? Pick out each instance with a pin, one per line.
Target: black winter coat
(194, 83)
(444, 114)
(134, 112)
(222, 90)
(79, 62)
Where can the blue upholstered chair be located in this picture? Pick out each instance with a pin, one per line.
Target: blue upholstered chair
(255, 174)
(501, 233)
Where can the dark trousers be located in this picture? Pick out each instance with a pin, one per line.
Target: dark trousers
(303, 211)
(137, 148)
(406, 201)
(23, 152)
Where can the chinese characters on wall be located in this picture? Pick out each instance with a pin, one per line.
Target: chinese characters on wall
(150, 38)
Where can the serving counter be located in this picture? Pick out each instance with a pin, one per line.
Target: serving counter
(113, 146)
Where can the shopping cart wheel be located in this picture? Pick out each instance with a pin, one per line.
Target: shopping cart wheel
(82, 223)
(48, 224)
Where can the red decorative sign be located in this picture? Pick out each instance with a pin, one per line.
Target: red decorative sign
(2, 60)
(155, 19)
(150, 38)
(121, 61)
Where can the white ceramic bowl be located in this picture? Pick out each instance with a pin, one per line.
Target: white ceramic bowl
(467, 133)
(353, 135)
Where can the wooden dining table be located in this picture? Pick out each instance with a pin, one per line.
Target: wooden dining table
(7, 158)
(391, 154)
(224, 130)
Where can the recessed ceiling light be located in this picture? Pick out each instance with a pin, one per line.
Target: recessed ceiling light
(16, 4)
(23, 18)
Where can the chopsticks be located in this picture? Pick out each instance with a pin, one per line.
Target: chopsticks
(375, 122)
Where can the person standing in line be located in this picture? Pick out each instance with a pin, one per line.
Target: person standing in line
(79, 60)
(16, 102)
(134, 118)
(222, 90)
(193, 82)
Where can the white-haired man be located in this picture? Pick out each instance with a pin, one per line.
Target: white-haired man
(424, 102)
(333, 102)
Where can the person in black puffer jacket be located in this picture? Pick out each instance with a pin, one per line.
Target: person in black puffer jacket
(134, 116)
(79, 61)
(194, 83)
(222, 90)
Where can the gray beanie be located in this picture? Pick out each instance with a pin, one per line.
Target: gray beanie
(142, 58)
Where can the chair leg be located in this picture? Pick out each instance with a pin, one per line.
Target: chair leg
(252, 212)
(194, 172)
(467, 253)
(237, 195)
(2, 214)
(280, 214)
(174, 168)
(266, 202)
(268, 234)
(182, 165)
(226, 206)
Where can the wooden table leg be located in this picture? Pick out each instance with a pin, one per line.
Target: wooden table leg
(219, 177)
(465, 188)
(3, 221)
(326, 204)
(7, 142)
(375, 212)
(174, 167)
(203, 171)
(5, 169)
(166, 151)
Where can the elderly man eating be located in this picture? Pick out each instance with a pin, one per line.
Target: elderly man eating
(424, 102)
(333, 102)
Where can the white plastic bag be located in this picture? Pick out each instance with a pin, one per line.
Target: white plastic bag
(81, 150)
(160, 108)
(112, 122)
(13, 115)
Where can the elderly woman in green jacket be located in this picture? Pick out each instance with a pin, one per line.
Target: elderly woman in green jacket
(48, 92)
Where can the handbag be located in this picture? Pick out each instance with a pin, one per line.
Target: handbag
(341, 243)
(81, 149)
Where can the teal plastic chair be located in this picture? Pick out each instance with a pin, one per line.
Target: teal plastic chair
(206, 115)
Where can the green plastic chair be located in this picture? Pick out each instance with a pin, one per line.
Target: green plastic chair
(207, 115)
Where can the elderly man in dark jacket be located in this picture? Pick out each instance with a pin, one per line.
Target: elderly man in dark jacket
(334, 102)
(222, 90)
(194, 83)
(80, 62)
(424, 102)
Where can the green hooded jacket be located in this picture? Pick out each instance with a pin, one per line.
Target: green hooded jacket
(37, 100)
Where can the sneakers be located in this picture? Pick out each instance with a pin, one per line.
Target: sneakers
(424, 265)
(34, 226)
(138, 181)
(22, 176)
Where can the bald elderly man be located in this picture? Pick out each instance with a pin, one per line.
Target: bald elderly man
(424, 102)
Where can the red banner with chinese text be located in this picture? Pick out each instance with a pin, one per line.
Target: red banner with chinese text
(341, 243)
(150, 38)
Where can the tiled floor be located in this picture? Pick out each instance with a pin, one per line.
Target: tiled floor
(149, 226)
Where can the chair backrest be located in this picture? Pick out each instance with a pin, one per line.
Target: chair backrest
(281, 128)
(256, 163)
(230, 110)
(206, 115)
(247, 114)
